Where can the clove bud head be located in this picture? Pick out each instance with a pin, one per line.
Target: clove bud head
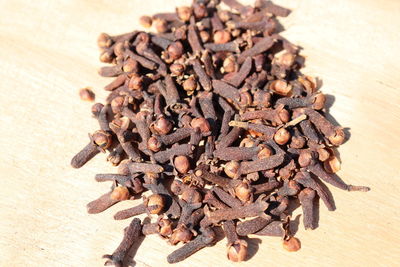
(136, 82)
(292, 244)
(117, 104)
(305, 158)
(286, 60)
(181, 234)
(237, 251)
(319, 101)
(191, 195)
(323, 154)
(86, 94)
(106, 56)
(230, 64)
(102, 139)
(284, 115)
(204, 36)
(156, 203)
(96, 109)
(165, 227)
(177, 69)
(245, 99)
(281, 87)
(162, 125)
(104, 40)
(231, 169)
(282, 136)
(222, 37)
(184, 13)
(265, 152)
(332, 164)
(182, 164)
(175, 50)
(309, 83)
(199, 10)
(145, 21)
(246, 142)
(154, 144)
(201, 123)
(190, 84)
(120, 193)
(244, 192)
(338, 138)
(262, 98)
(298, 142)
(130, 65)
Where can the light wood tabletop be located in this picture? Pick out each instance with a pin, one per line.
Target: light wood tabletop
(48, 51)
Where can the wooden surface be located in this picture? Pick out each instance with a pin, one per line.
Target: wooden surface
(48, 51)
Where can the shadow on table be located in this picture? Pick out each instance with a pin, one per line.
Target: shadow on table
(253, 246)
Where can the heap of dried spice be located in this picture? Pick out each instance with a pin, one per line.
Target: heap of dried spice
(212, 116)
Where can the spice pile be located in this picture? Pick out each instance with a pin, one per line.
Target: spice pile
(213, 116)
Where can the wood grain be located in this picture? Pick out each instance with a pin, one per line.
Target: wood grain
(48, 51)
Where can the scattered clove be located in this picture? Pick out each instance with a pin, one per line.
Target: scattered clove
(213, 117)
(131, 234)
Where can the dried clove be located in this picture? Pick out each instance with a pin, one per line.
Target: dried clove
(131, 234)
(254, 209)
(306, 197)
(236, 248)
(213, 115)
(205, 239)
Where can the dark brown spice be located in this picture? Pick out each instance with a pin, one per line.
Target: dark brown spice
(236, 248)
(229, 138)
(205, 239)
(275, 228)
(226, 198)
(179, 150)
(99, 141)
(214, 108)
(131, 234)
(319, 171)
(242, 74)
(202, 75)
(306, 197)
(194, 39)
(245, 228)
(265, 187)
(225, 90)
(305, 179)
(237, 153)
(152, 205)
(120, 178)
(261, 164)
(224, 47)
(260, 47)
(249, 210)
(129, 149)
(211, 200)
(101, 204)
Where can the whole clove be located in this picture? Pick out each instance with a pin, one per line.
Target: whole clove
(131, 234)
(205, 239)
(236, 248)
(211, 122)
(306, 197)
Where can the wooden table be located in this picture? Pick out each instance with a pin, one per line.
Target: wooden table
(48, 51)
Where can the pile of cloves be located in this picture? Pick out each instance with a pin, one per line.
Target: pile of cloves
(213, 116)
